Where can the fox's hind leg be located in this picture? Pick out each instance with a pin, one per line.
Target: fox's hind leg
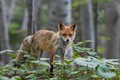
(35, 51)
(40, 55)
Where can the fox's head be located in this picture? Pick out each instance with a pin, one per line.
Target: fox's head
(67, 33)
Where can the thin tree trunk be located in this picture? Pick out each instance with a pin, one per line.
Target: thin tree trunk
(4, 31)
(36, 8)
(30, 17)
(87, 23)
(96, 24)
(11, 11)
(25, 20)
(35, 11)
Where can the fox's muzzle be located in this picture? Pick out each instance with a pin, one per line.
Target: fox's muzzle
(67, 40)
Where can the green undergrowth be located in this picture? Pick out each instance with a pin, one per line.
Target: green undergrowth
(85, 65)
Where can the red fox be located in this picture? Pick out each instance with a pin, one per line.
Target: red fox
(49, 41)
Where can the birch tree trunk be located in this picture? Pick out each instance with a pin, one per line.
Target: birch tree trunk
(87, 23)
(4, 31)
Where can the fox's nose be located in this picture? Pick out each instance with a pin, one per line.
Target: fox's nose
(67, 40)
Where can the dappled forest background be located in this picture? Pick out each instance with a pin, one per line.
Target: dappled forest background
(97, 20)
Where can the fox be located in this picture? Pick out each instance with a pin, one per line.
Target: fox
(49, 41)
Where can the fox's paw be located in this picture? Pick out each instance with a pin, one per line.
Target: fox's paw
(16, 63)
(51, 75)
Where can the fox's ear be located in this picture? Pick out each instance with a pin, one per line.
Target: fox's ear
(61, 26)
(74, 27)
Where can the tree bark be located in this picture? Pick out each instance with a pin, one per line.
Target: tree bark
(30, 17)
(25, 20)
(113, 29)
(96, 24)
(4, 31)
(11, 11)
(34, 12)
(87, 23)
(60, 11)
(36, 8)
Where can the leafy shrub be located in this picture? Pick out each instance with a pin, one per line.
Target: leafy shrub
(88, 67)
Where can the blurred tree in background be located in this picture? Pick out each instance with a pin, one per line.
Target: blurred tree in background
(4, 36)
(100, 23)
(113, 29)
(60, 11)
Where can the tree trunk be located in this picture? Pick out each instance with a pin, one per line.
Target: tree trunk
(4, 31)
(36, 8)
(96, 24)
(11, 11)
(87, 23)
(33, 7)
(30, 17)
(33, 20)
(60, 11)
(25, 20)
(113, 29)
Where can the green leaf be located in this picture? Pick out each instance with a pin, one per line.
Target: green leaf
(31, 76)
(72, 44)
(21, 51)
(88, 62)
(29, 57)
(74, 72)
(16, 78)
(68, 62)
(20, 71)
(44, 59)
(6, 51)
(4, 78)
(112, 61)
(12, 55)
(84, 77)
(36, 62)
(91, 53)
(41, 63)
(55, 78)
(104, 72)
(45, 64)
(83, 42)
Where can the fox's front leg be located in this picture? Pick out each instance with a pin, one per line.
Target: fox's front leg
(20, 57)
(51, 60)
(63, 56)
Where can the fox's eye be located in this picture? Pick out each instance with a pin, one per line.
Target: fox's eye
(70, 35)
(64, 34)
